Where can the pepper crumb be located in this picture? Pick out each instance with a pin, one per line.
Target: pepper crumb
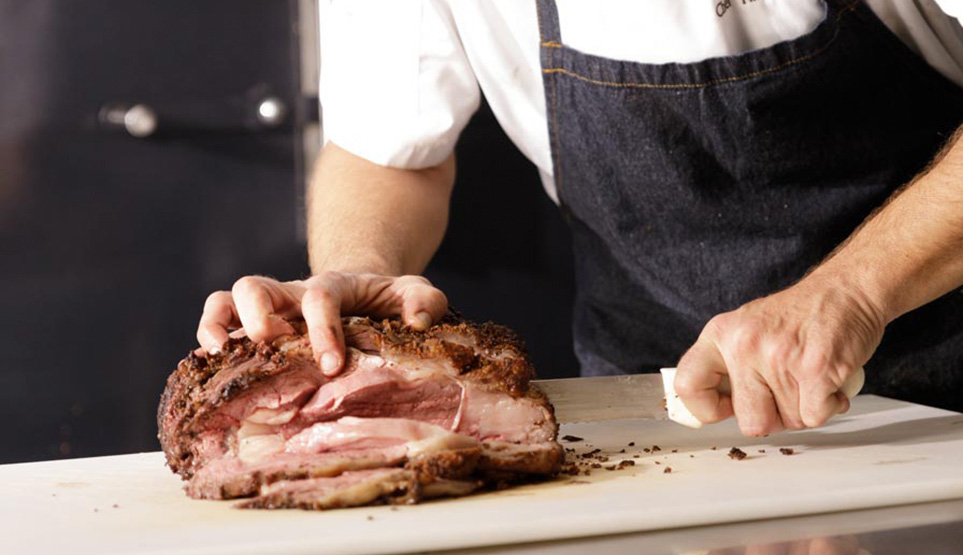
(656, 448)
(691, 456)
(572, 438)
(631, 444)
(713, 448)
(622, 451)
(786, 450)
(737, 454)
(675, 450)
(762, 450)
(657, 462)
(646, 449)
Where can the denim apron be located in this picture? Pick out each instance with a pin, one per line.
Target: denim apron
(694, 188)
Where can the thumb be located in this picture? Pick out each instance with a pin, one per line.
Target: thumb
(422, 304)
(698, 378)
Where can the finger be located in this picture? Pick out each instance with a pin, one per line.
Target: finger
(321, 307)
(260, 304)
(218, 317)
(697, 380)
(785, 392)
(754, 405)
(421, 303)
(819, 401)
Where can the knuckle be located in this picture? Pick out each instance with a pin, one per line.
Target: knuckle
(793, 422)
(217, 297)
(814, 417)
(718, 325)
(744, 341)
(418, 280)
(685, 386)
(247, 285)
(777, 353)
(317, 297)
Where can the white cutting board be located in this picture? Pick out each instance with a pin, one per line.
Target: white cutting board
(883, 453)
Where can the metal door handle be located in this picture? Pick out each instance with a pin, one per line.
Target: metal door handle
(257, 110)
(138, 120)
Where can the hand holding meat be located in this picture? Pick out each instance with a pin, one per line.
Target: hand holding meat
(787, 357)
(261, 304)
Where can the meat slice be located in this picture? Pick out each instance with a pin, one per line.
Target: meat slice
(414, 415)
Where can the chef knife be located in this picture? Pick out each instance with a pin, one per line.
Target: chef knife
(634, 396)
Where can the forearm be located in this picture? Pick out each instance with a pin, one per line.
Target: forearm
(363, 217)
(911, 251)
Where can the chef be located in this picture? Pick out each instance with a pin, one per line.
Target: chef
(766, 189)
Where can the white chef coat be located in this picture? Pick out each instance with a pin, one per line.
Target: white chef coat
(401, 78)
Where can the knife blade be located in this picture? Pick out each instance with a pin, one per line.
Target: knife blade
(635, 396)
(605, 398)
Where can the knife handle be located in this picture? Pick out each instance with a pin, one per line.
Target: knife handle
(678, 412)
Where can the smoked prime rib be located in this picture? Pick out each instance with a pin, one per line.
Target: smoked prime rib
(414, 415)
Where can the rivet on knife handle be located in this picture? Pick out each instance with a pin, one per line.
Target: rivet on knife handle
(679, 413)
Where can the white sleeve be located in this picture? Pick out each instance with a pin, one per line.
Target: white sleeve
(396, 87)
(952, 8)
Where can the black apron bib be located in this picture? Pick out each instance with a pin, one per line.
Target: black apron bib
(692, 189)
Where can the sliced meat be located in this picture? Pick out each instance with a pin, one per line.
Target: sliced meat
(414, 415)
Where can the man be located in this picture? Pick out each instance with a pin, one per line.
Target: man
(755, 187)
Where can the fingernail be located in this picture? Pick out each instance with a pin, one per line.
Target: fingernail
(329, 362)
(421, 321)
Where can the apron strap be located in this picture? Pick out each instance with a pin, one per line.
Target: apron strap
(548, 28)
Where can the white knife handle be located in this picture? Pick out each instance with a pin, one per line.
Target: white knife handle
(679, 413)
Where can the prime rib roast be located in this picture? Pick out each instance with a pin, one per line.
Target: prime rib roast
(414, 415)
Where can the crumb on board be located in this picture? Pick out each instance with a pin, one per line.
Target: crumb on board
(713, 448)
(622, 451)
(737, 454)
(646, 449)
(691, 456)
(658, 462)
(762, 450)
(627, 462)
(656, 448)
(369, 517)
(115, 506)
(635, 456)
(668, 470)
(393, 508)
(631, 444)
(786, 450)
(572, 438)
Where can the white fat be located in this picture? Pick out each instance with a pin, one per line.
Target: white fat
(271, 416)
(252, 449)
(440, 442)
(248, 429)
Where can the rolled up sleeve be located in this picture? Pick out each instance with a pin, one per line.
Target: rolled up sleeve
(396, 87)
